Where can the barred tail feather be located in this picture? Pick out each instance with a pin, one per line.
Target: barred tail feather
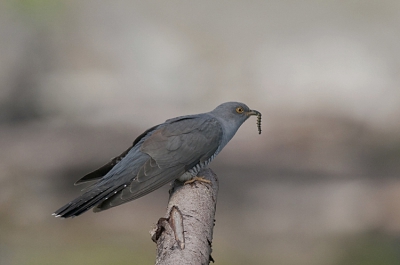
(86, 201)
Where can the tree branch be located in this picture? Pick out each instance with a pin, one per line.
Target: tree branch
(184, 235)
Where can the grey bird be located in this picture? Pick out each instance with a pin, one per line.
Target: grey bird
(176, 149)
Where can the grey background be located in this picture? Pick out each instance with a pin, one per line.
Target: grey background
(79, 80)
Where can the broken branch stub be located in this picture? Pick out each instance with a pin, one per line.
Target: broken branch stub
(184, 235)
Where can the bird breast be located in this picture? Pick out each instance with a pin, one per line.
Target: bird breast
(191, 173)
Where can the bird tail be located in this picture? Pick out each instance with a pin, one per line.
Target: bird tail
(86, 201)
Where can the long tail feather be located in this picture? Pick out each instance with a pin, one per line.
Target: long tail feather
(86, 201)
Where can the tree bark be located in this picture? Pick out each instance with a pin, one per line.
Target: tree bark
(184, 235)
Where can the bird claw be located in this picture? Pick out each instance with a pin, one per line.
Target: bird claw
(199, 179)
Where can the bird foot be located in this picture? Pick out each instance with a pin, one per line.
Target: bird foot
(199, 179)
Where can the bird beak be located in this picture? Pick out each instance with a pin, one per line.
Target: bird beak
(253, 112)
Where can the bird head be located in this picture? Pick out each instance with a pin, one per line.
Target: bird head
(235, 114)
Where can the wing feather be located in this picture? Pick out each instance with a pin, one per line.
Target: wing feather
(172, 149)
(103, 170)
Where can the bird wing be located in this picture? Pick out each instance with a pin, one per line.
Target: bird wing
(103, 170)
(172, 149)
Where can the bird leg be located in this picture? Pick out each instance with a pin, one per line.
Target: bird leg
(199, 179)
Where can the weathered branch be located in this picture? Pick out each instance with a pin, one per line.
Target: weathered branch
(184, 235)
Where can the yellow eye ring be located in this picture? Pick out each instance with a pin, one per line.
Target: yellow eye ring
(239, 110)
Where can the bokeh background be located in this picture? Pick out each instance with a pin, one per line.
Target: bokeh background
(79, 80)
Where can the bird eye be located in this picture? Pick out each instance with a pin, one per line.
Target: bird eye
(239, 110)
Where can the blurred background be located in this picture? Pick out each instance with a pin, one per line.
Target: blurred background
(79, 80)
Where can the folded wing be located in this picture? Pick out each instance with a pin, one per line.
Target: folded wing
(172, 150)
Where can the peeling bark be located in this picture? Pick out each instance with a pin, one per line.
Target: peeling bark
(184, 235)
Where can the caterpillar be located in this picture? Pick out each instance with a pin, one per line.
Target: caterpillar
(259, 122)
